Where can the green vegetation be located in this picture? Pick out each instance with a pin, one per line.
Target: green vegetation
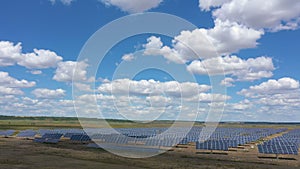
(20, 123)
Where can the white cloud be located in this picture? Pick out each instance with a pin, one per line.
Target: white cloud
(133, 6)
(66, 70)
(128, 57)
(65, 2)
(158, 101)
(151, 87)
(209, 97)
(36, 72)
(83, 87)
(225, 38)
(40, 59)
(9, 53)
(12, 86)
(10, 91)
(25, 106)
(289, 99)
(206, 5)
(48, 94)
(274, 15)
(228, 82)
(155, 47)
(7, 81)
(242, 105)
(244, 70)
(148, 99)
(271, 87)
(273, 100)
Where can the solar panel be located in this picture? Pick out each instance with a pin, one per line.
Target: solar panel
(27, 133)
(212, 145)
(7, 133)
(80, 137)
(288, 143)
(49, 138)
(275, 149)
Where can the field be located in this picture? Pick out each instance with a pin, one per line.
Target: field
(23, 153)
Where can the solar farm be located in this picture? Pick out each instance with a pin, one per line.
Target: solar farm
(222, 139)
(228, 144)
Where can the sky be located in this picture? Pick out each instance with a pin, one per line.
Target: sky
(240, 61)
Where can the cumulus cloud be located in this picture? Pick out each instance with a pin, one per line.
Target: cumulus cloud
(40, 59)
(12, 86)
(241, 106)
(154, 47)
(7, 81)
(271, 87)
(149, 98)
(133, 6)
(289, 99)
(70, 70)
(43, 93)
(276, 100)
(225, 38)
(25, 106)
(83, 87)
(209, 97)
(9, 53)
(128, 57)
(151, 87)
(206, 5)
(10, 91)
(228, 82)
(244, 70)
(257, 14)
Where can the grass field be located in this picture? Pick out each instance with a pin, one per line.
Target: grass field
(20, 123)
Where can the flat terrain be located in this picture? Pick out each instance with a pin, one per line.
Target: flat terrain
(22, 123)
(20, 153)
(17, 153)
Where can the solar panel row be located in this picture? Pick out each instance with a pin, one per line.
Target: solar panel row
(7, 133)
(49, 138)
(220, 139)
(80, 138)
(288, 143)
(27, 133)
(212, 145)
(278, 149)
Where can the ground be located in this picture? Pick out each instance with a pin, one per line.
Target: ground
(18, 153)
(21, 153)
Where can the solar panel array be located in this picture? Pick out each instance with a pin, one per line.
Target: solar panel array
(80, 138)
(288, 143)
(49, 138)
(152, 136)
(213, 145)
(277, 148)
(7, 133)
(27, 133)
(292, 136)
(60, 131)
(220, 139)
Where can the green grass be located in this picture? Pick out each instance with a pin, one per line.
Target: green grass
(21, 123)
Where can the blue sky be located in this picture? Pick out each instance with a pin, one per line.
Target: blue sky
(257, 53)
